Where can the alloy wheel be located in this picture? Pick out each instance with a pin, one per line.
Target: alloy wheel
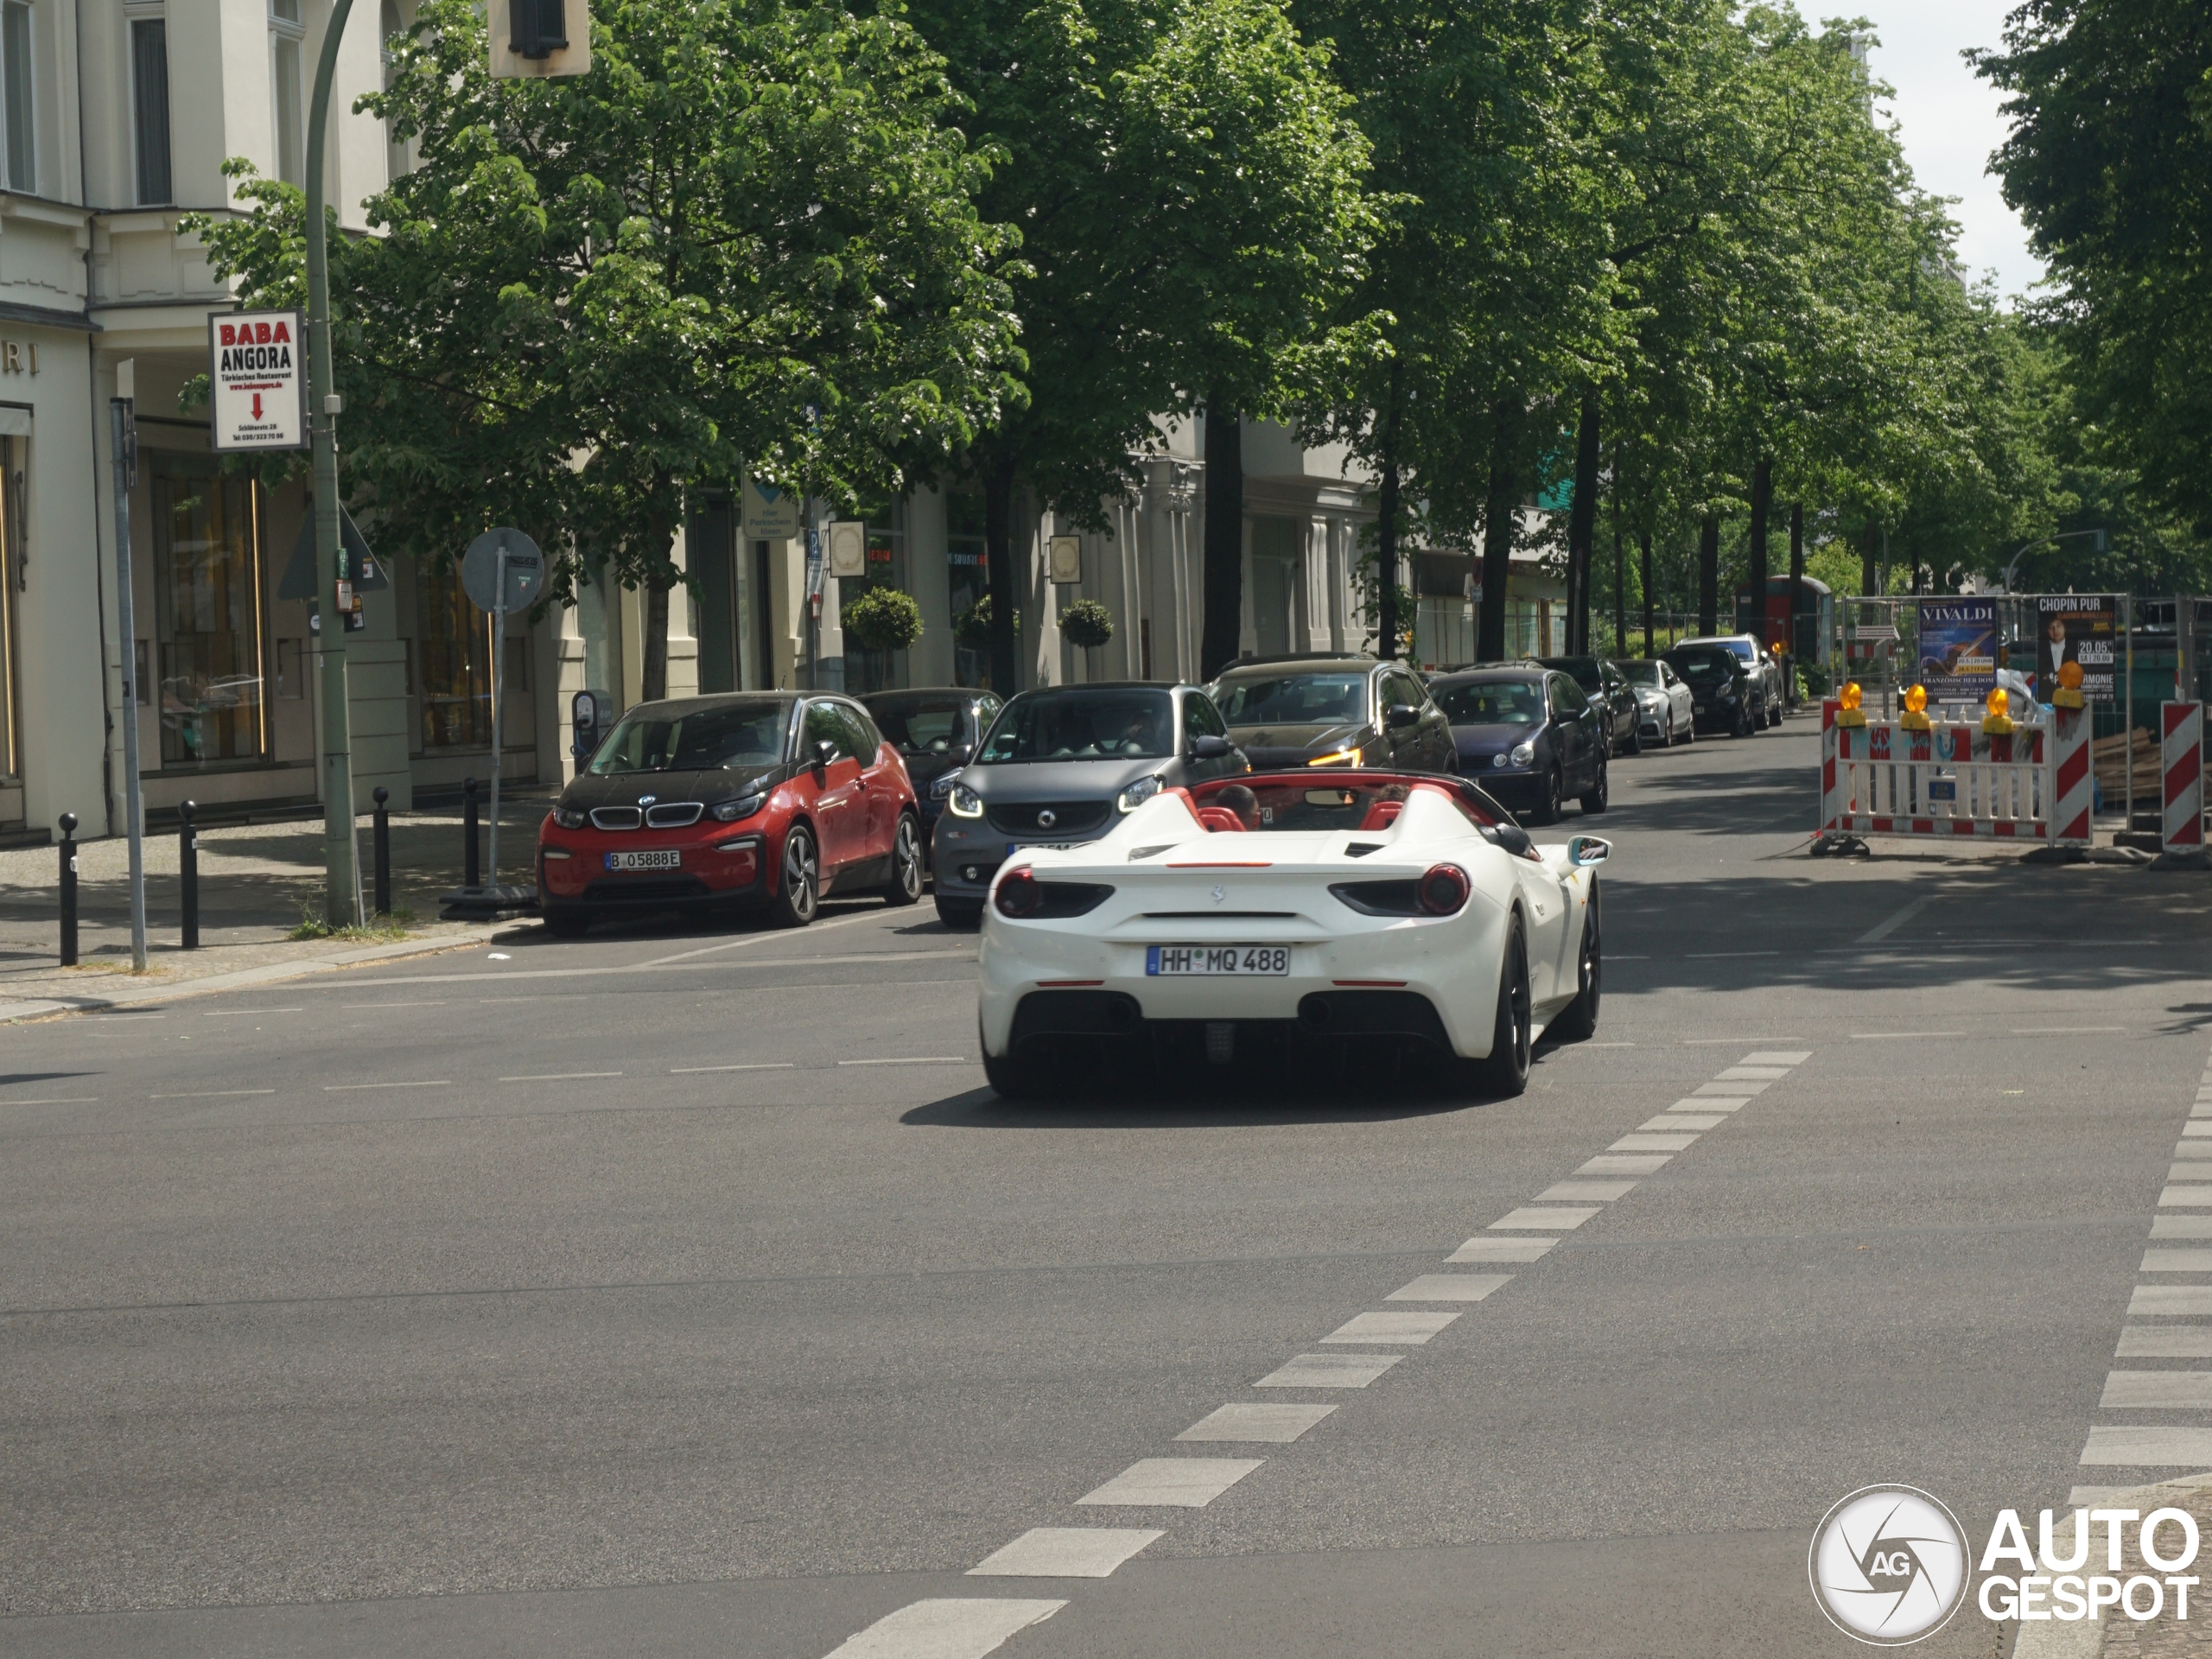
(801, 880)
(906, 885)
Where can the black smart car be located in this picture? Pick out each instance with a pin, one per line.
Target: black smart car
(1529, 735)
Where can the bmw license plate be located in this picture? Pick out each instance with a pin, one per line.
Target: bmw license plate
(670, 859)
(1174, 961)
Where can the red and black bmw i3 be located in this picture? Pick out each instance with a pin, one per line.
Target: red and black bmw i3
(731, 802)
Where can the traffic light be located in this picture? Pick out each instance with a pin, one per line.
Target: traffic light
(533, 39)
(540, 27)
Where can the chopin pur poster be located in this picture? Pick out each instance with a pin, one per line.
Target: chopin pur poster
(1958, 649)
(2077, 628)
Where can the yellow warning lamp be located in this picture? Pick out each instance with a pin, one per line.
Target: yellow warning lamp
(1994, 723)
(1850, 714)
(1915, 718)
(2068, 695)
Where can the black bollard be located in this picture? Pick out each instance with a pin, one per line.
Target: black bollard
(68, 889)
(471, 875)
(381, 839)
(188, 871)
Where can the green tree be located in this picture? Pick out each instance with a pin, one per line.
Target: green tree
(747, 240)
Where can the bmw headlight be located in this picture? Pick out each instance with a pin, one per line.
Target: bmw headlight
(1138, 793)
(964, 802)
(1524, 752)
(743, 807)
(569, 817)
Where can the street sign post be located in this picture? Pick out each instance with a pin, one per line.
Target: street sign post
(502, 571)
(257, 381)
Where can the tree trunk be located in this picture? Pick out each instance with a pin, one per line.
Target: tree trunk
(660, 535)
(1708, 575)
(1224, 631)
(1762, 508)
(1796, 595)
(1620, 595)
(1582, 526)
(998, 559)
(1868, 582)
(1643, 550)
(1387, 625)
(1500, 514)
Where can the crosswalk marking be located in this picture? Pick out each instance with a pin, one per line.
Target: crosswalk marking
(1278, 1422)
(1448, 1287)
(1172, 1483)
(1396, 1326)
(2149, 1448)
(1329, 1371)
(1502, 1249)
(2165, 1342)
(2134, 1391)
(1529, 1216)
(1632, 1164)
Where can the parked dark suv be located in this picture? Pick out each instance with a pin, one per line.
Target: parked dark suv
(1333, 711)
(1729, 693)
(1058, 768)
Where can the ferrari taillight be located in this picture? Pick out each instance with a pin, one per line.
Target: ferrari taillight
(1444, 890)
(1019, 895)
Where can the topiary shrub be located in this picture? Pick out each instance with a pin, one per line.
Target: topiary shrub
(973, 629)
(1086, 623)
(883, 619)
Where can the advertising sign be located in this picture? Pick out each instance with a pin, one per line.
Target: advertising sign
(1958, 648)
(2080, 628)
(848, 548)
(771, 514)
(257, 380)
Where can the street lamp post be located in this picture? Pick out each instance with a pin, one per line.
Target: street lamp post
(341, 885)
(2045, 541)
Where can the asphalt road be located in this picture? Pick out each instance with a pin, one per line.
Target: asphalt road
(687, 1294)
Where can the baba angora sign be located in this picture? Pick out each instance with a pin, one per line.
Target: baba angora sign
(257, 380)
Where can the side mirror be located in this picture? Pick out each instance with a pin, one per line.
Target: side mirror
(1583, 851)
(1401, 714)
(1206, 747)
(824, 752)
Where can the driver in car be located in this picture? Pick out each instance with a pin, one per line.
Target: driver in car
(1241, 801)
(1142, 734)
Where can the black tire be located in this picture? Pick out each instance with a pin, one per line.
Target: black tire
(904, 886)
(1741, 728)
(1774, 713)
(1689, 732)
(1635, 737)
(1601, 792)
(962, 915)
(565, 924)
(1015, 1078)
(1578, 1022)
(1504, 1073)
(1548, 809)
(798, 891)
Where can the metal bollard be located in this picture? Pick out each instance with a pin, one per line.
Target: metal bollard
(68, 889)
(188, 871)
(381, 839)
(471, 875)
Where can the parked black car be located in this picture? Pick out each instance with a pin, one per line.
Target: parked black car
(1602, 681)
(936, 731)
(1333, 711)
(1728, 694)
(1530, 735)
(1058, 766)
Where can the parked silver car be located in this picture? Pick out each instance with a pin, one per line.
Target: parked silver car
(1666, 711)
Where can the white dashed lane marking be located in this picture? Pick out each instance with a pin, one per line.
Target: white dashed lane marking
(1641, 1142)
(1682, 1120)
(1616, 1164)
(1502, 1249)
(1329, 1371)
(1065, 1553)
(1528, 1216)
(1393, 1326)
(1261, 1420)
(1585, 1192)
(1172, 1483)
(948, 1628)
(1754, 1073)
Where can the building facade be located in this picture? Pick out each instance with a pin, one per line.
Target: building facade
(116, 116)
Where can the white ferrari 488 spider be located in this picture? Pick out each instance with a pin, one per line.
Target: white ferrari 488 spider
(1347, 920)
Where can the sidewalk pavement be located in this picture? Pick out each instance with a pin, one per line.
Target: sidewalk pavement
(257, 882)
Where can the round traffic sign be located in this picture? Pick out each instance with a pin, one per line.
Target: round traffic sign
(479, 570)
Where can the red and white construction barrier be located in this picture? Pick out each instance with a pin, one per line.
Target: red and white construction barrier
(2029, 785)
(2181, 755)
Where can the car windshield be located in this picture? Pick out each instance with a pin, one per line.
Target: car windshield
(1704, 665)
(1338, 698)
(1335, 806)
(1641, 671)
(1586, 671)
(734, 737)
(918, 724)
(1082, 723)
(1493, 703)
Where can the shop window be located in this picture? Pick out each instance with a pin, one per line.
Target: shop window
(969, 578)
(453, 647)
(207, 600)
(150, 108)
(286, 35)
(17, 110)
(13, 518)
(390, 26)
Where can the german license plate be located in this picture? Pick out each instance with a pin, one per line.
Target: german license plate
(670, 859)
(1013, 847)
(1177, 961)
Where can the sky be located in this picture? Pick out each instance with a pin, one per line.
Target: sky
(1949, 119)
